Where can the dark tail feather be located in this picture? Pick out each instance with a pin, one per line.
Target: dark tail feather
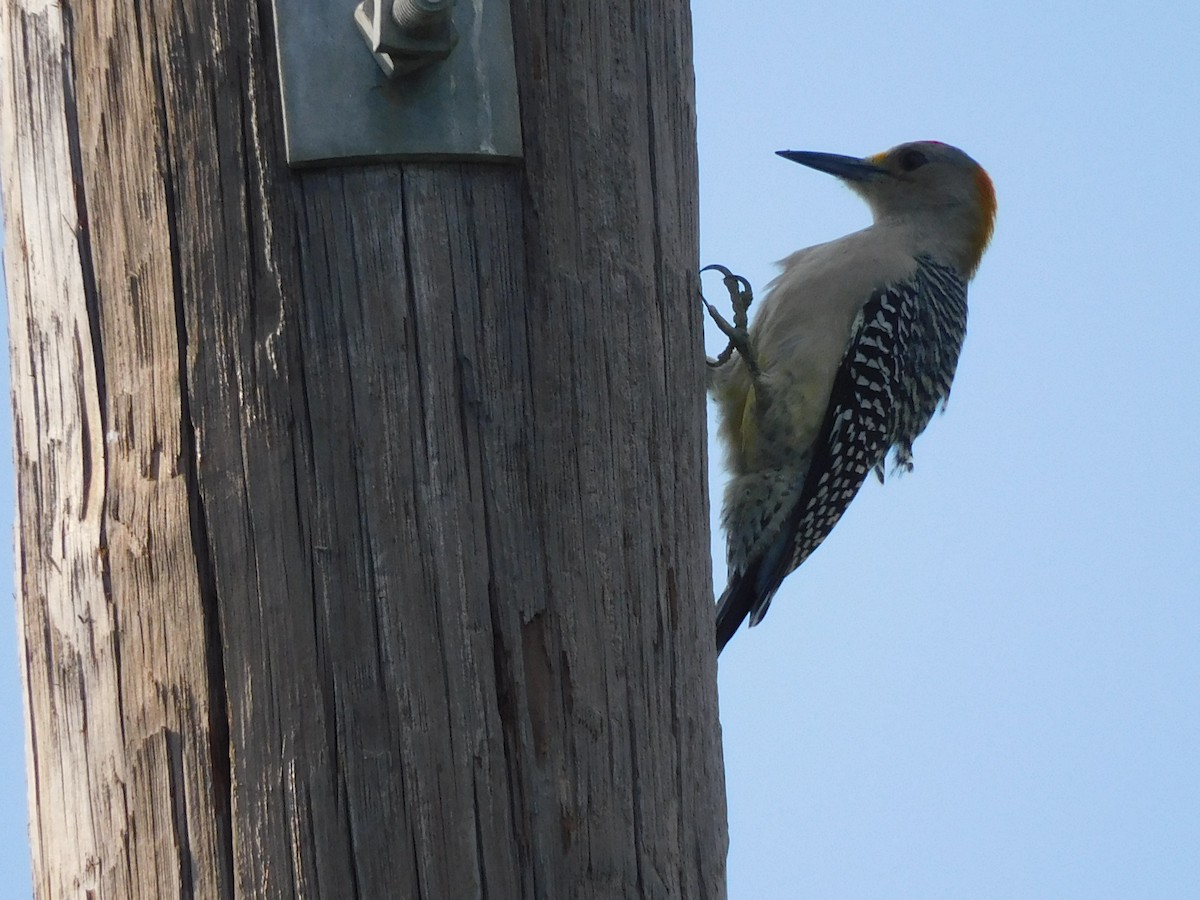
(733, 607)
(749, 593)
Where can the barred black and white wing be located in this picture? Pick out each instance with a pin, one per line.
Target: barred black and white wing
(896, 372)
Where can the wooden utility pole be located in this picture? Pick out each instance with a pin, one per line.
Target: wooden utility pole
(363, 544)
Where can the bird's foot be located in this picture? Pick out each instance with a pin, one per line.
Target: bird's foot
(741, 295)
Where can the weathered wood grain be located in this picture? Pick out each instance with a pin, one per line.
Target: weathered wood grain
(363, 523)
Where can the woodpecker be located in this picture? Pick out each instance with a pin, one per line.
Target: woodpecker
(852, 351)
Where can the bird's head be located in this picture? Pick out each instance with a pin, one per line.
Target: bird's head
(941, 191)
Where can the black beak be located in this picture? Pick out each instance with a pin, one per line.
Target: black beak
(851, 168)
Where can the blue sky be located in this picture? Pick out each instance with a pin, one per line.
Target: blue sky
(986, 683)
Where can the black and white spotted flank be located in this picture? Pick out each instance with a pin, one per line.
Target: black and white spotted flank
(895, 373)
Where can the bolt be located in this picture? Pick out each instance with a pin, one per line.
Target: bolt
(416, 16)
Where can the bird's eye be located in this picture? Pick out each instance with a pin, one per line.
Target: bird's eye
(912, 159)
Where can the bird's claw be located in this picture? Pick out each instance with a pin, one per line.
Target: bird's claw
(741, 296)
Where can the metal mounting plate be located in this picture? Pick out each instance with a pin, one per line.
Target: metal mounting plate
(340, 108)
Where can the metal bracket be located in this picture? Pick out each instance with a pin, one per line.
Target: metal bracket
(435, 80)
